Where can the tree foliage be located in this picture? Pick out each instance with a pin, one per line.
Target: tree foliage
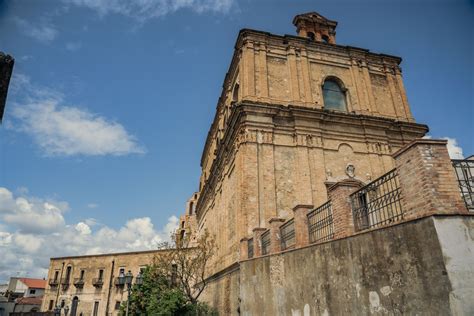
(174, 281)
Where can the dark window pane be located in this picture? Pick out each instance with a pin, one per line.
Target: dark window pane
(333, 95)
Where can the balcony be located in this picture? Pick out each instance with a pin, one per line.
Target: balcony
(119, 281)
(65, 283)
(79, 283)
(53, 282)
(97, 282)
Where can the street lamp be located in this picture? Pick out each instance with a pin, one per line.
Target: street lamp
(139, 278)
(128, 280)
(57, 311)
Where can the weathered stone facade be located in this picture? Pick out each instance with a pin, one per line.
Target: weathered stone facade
(92, 288)
(274, 144)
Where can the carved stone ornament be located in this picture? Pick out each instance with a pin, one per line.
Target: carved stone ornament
(350, 170)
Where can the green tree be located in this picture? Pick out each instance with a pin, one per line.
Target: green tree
(174, 281)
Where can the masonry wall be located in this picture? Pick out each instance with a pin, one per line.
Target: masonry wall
(281, 158)
(108, 294)
(223, 292)
(403, 269)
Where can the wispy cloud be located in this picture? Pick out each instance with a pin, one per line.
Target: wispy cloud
(147, 9)
(27, 244)
(73, 46)
(42, 31)
(66, 130)
(92, 205)
(454, 150)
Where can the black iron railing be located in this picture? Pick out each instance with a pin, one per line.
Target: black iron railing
(250, 248)
(97, 282)
(320, 223)
(378, 203)
(287, 234)
(465, 173)
(65, 283)
(79, 282)
(53, 282)
(265, 239)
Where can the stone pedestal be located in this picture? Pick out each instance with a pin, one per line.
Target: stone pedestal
(301, 224)
(428, 181)
(275, 240)
(257, 241)
(341, 206)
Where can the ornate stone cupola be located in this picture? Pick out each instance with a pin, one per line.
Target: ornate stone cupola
(315, 27)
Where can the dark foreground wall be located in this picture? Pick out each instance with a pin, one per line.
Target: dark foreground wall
(425, 267)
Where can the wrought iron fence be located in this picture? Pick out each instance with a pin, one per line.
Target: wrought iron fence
(465, 173)
(378, 203)
(250, 248)
(320, 223)
(287, 234)
(265, 238)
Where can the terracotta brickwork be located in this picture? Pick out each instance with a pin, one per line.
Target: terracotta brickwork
(428, 180)
(273, 145)
(339, 194)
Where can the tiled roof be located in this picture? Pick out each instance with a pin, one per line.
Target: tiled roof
(34, 283)
(29, 300)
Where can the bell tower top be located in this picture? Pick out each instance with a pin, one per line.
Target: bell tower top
(315, 27)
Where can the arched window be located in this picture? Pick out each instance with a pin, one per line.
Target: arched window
(325, 39)
(334, 96)
(311, 36)
(235, 94)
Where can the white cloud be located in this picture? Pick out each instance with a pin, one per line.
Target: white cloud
(27, 251)
(73, 46)
(454, 150)
(65, 130)
(92, 205)
(43, 31)
(146, 9)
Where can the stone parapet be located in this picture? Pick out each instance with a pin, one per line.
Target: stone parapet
(428, 181)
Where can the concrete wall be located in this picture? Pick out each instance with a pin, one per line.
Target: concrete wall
(402, 269)
(456, 237)
(223, 291)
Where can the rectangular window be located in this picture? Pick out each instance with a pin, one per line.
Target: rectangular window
(56, 275)
(32, 291)
(101, 275)
(82, 275)
(51, 305)
(96, 309)
(117, 305)
(122, 271)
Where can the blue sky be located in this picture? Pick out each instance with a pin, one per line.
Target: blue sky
(109, 106)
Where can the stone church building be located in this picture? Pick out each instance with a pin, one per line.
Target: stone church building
(321, 193)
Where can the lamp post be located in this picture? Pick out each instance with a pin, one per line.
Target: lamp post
(126, 279)
(57, 311)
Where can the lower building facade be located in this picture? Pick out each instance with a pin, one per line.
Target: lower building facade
(90, 284)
